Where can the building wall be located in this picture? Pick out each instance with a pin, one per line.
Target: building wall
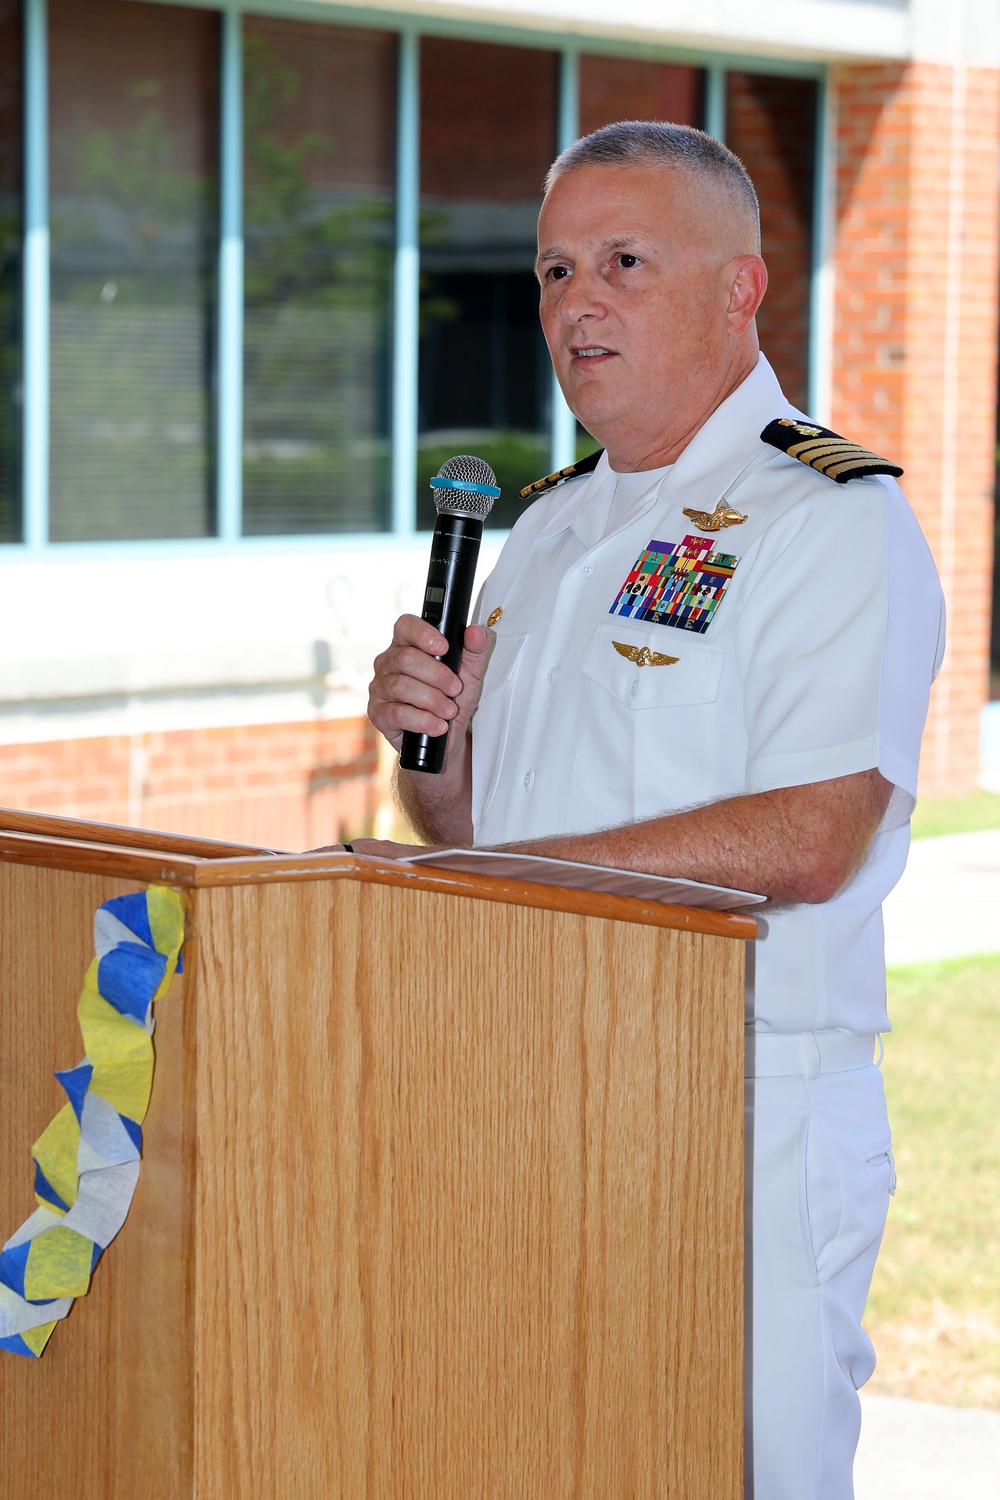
(113, 701)
(797, 29)
(915, 341)
(282, 786)
(214, 694)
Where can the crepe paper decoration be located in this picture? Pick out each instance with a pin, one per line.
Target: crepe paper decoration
(87, 1159)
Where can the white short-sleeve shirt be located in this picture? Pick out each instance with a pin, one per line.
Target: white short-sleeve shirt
(643, 665)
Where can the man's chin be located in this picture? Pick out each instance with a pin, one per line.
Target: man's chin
(592, 403)
(599, 417)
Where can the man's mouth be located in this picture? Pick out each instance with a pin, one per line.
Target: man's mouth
(595, 352)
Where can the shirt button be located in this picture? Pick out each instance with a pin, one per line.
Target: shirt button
(587, 569)
(529, 777)
(553, 672)
(633, 686)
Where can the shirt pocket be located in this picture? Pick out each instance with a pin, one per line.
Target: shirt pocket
(646, 742)
(491, 724)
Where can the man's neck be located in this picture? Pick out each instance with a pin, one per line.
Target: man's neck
(630, 451)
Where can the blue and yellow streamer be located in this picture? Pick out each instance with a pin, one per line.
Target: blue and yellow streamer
(87, 1159)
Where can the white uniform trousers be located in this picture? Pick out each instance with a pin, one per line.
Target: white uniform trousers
(821, 1178)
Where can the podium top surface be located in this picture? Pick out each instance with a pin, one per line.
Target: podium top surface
(174, 859)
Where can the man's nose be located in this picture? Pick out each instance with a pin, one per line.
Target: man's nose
(582, 297)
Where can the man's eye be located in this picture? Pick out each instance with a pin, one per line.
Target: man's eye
(558, 273)
(627, 261)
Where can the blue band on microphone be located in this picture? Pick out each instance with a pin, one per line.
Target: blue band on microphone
(440, 483)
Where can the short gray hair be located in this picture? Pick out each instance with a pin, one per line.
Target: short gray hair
(659, 143)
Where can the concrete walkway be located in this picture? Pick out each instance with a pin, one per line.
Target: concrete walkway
(913, 1450)
(947, 905)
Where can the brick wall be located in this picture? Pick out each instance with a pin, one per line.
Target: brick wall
(281, 786)
(915, 340)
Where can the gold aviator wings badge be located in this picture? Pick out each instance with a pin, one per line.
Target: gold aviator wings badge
(642, 656)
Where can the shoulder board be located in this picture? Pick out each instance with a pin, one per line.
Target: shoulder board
(836, 457)
(572, 471)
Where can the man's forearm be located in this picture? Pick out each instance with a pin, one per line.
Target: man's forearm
(797, 844)
(439, 808)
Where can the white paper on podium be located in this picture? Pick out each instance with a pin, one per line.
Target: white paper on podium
(545, 871)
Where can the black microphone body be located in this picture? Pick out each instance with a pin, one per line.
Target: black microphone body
(451, 575)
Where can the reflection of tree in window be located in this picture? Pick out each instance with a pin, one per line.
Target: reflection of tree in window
(485, 381)
(317, 295)
(134, 223)
(11, 230)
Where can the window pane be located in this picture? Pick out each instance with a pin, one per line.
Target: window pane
(487, 138)
(133, 110)
(771, 125)
(320, 124)
(11, 231)
(619, 88)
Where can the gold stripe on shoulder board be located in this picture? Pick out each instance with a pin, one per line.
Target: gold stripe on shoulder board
(825, 451)
(572, 471)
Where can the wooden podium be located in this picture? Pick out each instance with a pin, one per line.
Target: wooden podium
(441, 1196)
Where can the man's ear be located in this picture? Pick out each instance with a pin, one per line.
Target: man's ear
(747, 285)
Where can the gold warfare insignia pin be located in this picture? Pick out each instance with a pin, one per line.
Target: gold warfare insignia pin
(723, 515)
(642, 656)
(802, 428)
(494, 615)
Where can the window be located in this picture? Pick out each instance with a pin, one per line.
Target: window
(319, 190)
(11, 232)
(487, 138)
(620, 88)
(134, 106)
(140, 388)
(771, 125)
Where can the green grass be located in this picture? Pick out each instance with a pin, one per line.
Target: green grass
(934, 1311)
(934, 815)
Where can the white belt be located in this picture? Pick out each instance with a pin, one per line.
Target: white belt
(806, 1054)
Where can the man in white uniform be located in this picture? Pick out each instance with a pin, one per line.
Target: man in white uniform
(705, 657)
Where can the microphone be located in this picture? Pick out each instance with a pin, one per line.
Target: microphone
(464, 491)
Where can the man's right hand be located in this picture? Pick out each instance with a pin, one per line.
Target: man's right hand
(411, 689)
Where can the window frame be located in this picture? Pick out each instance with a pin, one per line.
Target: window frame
(406, 272)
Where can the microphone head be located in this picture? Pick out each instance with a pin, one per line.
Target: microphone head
(465, 486)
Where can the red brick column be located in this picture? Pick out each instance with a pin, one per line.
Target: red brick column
(915, 340)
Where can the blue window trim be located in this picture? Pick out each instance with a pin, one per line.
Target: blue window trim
(35, 317)
(229, 415)
(715, 101)
(824, 230)
(406, 289)
(563, 449)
